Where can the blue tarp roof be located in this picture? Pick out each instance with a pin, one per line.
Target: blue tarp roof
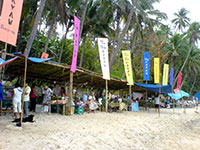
(178, 95)
(156, 88)
(36, 60)
(198, 95)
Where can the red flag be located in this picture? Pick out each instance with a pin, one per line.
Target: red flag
(179, 80)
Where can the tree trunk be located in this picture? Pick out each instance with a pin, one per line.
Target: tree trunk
(48, 36)
(38, 37)
(63, 44)
(195, 79)
(115, 38)
(184, 79)
(82, 53)
(34, 29)
(123, 75)
(132, 52)
(124, 31)
(186, 59)
(21, 33)
(83, 18)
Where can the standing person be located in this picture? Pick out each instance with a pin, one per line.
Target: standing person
(157, 102)
(33, 98)
(27, 91)
(17, 97)
(47, 95)
(92, 102)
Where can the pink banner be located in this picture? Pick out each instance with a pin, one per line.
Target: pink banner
(76, 42)
(9, 20)
(179, 80)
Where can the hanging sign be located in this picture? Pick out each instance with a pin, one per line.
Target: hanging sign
(165, 74)
(76, 43)
(128, 66)
(171, 76)
(103, 53)
(146, 66)
(156, 70)
(9, 21)
(179, 80)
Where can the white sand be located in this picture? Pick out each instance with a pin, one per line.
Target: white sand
(104, 131)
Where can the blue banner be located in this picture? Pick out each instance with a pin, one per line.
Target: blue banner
(171, 76)
(146, 66)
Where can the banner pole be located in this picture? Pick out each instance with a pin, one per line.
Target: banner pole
(106, 98)
(3, 55)
(25, 71)
(130, 97)
(70, 93)
(146, 98)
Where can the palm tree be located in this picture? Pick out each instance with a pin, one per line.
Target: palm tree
(193, 35)
(34, 29)
(182, 20)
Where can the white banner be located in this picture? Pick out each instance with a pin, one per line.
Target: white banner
(103, 53)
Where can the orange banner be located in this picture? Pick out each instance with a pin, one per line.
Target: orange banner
(9, 21)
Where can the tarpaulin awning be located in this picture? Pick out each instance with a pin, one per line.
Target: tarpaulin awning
(36, 60)
(198, 95)
(178, 95)
(155, 88)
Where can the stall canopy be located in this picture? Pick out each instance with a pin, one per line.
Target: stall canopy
(178, 95)
(50, 72)
(155, 88)
(198, 95)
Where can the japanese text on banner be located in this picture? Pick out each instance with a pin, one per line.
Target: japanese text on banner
(128, 66)
(103, 53)
(9, 21)
(156, 70)
(165, 74)
(171, 76)
(146, 66)
(76, 43)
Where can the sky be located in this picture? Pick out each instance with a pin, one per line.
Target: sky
(171, 6)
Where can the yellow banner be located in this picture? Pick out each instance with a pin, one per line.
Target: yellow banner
(165, 74)
(156, 70)
(128, 66)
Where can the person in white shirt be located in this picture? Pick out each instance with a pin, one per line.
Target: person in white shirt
(92, 102)
(17, 97)
(47, 95)
(157, 102)
(27, 91)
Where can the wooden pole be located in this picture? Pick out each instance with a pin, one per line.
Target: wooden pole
(70, 92)
(25, 70)
(3, 56)
(106, 96)
(146, 99)
(130, 97)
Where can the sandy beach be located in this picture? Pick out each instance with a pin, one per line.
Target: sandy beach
(104, 131)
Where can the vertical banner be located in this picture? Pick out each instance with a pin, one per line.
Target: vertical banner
(146, 66)
(9, 20)
(179, 80)
(103, 53)
(165, 74)
(156, 70)
(76, 43)
(128, 66)
(171, 76)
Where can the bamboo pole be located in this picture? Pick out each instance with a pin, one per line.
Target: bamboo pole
(146, 99)
(70, 92)
(1, 68)
(106, 96)
(130, 97)
(25, 70)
